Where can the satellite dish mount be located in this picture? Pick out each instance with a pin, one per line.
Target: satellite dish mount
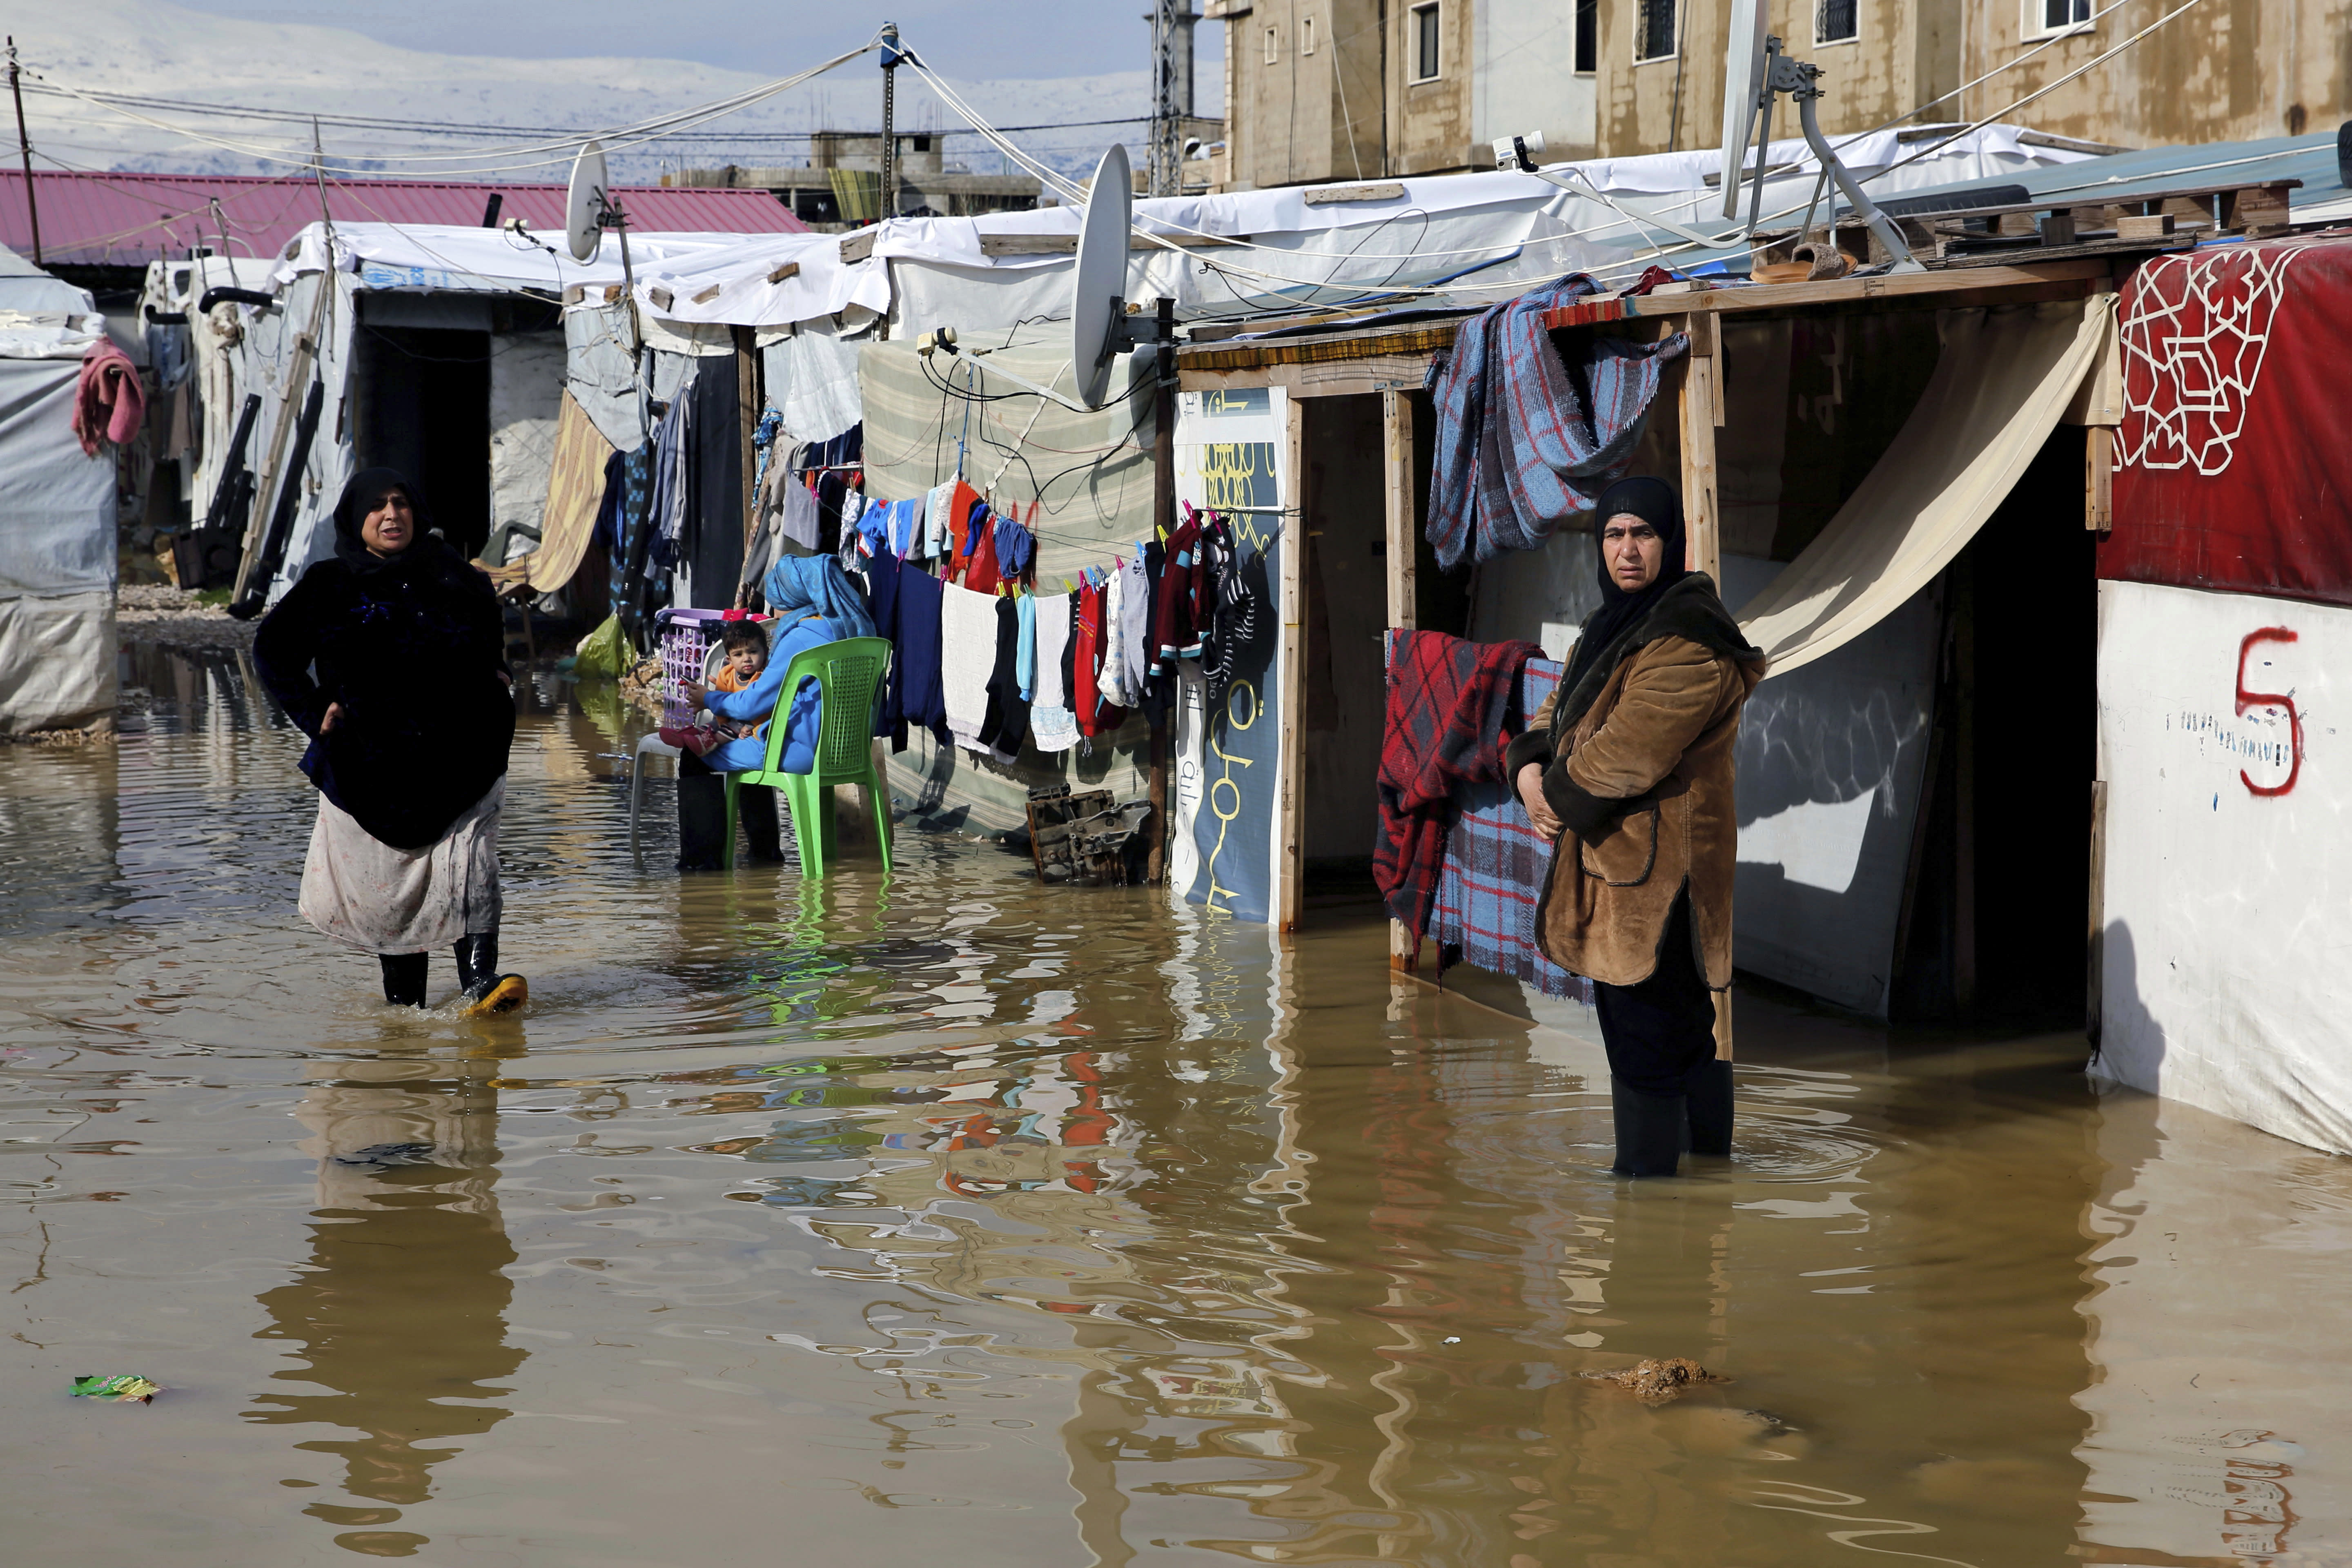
(588, 210)
(1776, 73)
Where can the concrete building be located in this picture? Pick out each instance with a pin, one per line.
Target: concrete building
(841, 184)
(1321, 90)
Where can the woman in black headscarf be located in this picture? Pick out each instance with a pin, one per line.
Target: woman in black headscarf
(1627, 766)
(391, 657)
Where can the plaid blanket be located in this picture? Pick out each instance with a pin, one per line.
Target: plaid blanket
(1447, 700)
(1493, 874)
(1518, 450)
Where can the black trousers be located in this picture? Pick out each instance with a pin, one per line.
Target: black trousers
(1660, 1032)
(702, 817)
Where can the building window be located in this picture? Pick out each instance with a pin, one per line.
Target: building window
(1655, 39)
(1306, 35)
(2045, 18)
(1273, 47)
(1588, 37)
(1425, 56)
(1837, 21)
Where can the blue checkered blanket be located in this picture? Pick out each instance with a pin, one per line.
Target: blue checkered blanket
(1493, 875)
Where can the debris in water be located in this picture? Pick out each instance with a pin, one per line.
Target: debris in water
(128, 1386)
(1660, 1379)
(389, 1154)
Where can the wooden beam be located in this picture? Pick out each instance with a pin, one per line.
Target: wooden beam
(747, 421)
(2099, 478)
(1700, 409)
(1290, 826)
(1403, 528)
(1343, 378)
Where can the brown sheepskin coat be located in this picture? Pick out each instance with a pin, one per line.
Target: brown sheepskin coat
(1641, 780)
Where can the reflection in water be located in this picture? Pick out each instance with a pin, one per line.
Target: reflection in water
(947, 1214)
(400, 1314)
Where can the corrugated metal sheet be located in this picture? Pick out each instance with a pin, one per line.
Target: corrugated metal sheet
(130, 219)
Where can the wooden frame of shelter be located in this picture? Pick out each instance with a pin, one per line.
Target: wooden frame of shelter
(1392, 363)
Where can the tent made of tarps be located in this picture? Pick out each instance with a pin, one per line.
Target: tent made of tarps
(1493, 233)
(57, 512)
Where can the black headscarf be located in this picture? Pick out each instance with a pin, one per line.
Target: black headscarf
(361, 496)
(412, 647)
(1654, 502)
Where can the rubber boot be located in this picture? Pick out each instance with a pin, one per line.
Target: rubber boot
(701, 818)
(1709, 1098)
(487, 991)
(1651, 1128)
(755, 808)
(403, 978)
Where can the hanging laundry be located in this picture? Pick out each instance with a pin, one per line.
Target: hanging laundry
(798, 516)
(967, 658)
(1238, 616)
(1522, 443)
(1110, 676)
(1006, 724)
(1053, 727)
(1025, 647)
(672, 485)
(1016, 549)
(980, 573)
(907, 611)
(1135, 626)
(1097, 714)
(1182, 612)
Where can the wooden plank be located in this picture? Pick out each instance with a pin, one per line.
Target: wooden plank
(1402, 530)
(2121, 246)
(2094, 950)
(1290, 828)
(1886, 287)
(1700, 396)
(1332, 195)
(2099, 478)
(1067, 244)
(747, 421)
(1349, 378)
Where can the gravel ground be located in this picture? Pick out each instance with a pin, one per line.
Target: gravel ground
(176, 618)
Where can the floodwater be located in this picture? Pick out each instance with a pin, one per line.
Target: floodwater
(957, 1219)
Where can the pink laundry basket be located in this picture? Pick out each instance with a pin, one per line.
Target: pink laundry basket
(685, 638)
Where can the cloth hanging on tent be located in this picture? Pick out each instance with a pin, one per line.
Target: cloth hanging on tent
(2003, 380)
(1448, 701)
(967, 658)
(109, 405)
(575, 490)
(1006, 723)
(1053, 727)
(1522, 443)
(713, 556)
(670, 482)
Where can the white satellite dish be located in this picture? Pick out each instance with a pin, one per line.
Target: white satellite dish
(1099, 299)
(1744, 71)
(587, 203)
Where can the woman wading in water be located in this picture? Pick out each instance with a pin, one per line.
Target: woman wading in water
(391, 657)
(1628, 767)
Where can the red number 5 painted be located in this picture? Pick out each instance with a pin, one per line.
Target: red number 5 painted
(2270, 698)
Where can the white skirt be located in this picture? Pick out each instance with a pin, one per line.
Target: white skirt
(366, 894)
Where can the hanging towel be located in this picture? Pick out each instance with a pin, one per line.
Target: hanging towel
(967, 658)
(109, 404)
(1110, 678)
(1052, 726)
(799, 513)
(1134, 627)
(1517, 449)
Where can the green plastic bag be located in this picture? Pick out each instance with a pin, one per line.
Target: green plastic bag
(127, 1386)
(603, 653)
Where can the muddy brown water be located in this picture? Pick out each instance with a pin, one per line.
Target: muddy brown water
(952, 1217)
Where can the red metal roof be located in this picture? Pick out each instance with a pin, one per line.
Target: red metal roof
(127, 220)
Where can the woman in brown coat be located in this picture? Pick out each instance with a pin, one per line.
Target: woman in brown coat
(1628, 768)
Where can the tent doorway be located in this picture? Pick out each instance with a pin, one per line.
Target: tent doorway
(421, 397)
(1344, 689)
(1996, 905)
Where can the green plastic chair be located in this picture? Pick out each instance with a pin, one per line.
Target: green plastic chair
(849, 673)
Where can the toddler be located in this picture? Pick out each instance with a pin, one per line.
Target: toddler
(745, 657)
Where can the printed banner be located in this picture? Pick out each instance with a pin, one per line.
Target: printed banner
(1228, 760)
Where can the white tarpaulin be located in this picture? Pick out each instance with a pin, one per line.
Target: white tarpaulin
(2005, 377)
(57, 554)
(450, 257)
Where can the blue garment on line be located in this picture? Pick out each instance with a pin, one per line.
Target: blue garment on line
(1024, 648)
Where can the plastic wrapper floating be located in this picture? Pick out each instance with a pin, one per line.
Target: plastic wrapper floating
(127, 1386)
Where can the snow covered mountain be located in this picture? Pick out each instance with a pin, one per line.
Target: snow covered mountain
(164, 52)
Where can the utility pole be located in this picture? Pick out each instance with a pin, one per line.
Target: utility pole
(891, 54)
(24, 151)
(1172, 22)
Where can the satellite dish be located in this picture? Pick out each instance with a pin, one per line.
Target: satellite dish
(1744, 71)
(585, 204)
(1098, 303)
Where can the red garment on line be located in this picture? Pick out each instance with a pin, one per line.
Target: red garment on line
(109, 404)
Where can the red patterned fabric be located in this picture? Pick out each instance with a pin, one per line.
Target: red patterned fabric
(1448, 702)
(2233, 465)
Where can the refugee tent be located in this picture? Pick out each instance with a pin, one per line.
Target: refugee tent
(57, 512)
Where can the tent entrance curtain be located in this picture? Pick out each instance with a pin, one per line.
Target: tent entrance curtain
(2005, 378)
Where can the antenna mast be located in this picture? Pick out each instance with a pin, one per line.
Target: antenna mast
(890, 53)
(1171, 93)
